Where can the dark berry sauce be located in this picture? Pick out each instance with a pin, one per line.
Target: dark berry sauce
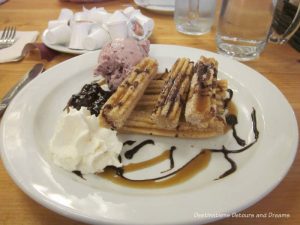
(91, 96)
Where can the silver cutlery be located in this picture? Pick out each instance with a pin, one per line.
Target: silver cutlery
(8, 37)
(35, 71)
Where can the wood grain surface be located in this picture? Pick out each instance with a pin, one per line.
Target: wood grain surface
(278, 63)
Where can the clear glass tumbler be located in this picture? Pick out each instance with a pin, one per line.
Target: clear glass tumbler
(244, 27)
(194, 17)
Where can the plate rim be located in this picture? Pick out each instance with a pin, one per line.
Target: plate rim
(156, 8)
(61, 209)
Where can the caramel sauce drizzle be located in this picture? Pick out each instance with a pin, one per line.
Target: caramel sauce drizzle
(198, 163)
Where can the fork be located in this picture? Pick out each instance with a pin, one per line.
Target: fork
(8, 37)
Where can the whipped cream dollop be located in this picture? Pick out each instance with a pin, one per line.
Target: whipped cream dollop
(80, 144)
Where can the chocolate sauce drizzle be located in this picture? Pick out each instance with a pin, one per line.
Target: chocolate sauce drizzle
(120, 158)
(78, 173)
(255, 130)
(171, 158)
(130, 153)
(129, 142)
(232, 120)
(226, 152)
(227, 100)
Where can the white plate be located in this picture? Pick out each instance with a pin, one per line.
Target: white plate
(163, 6)
(61, 48)
(29, 122)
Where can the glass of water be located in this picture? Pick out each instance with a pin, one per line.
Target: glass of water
(194, 17)
(244, 27)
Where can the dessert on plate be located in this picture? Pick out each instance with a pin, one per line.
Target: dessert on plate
(186, 101)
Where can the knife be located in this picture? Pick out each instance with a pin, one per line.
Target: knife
(36, 70)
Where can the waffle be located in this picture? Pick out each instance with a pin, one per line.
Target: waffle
(204, 98)
(140, 120)
(169, 105)
(119, 106)
(154, 113)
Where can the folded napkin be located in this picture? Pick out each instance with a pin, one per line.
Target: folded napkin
(14, 52)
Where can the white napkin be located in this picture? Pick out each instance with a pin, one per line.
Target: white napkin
(14, 52)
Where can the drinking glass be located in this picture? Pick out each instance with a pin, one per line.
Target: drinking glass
(194, 17)
(244, 27)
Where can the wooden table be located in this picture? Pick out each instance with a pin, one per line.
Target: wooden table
(278, 63)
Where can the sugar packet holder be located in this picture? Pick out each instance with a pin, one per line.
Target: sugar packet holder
(97, 38)
(60, 34)
(79, 32)
(63, 19)
(140, 27)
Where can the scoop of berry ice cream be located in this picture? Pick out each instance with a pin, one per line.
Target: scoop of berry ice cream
(117, 59)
